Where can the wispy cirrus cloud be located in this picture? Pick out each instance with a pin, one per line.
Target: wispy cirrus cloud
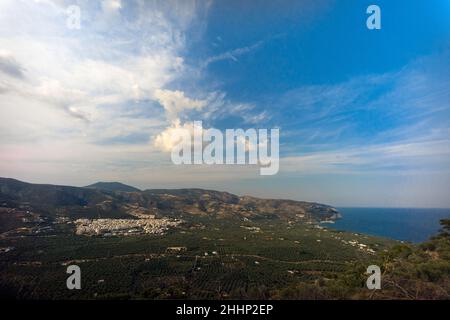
(402, 105)
(93, 88)
(400, 158)
(233, 54)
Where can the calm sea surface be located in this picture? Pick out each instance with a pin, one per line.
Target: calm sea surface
(414, 225)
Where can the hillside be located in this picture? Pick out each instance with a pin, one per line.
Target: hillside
(95, 202)
(410, 272)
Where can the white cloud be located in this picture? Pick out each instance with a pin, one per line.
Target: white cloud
(91, 90)
(169, 137)
(175, 102)
(78, 86)
(111, 5)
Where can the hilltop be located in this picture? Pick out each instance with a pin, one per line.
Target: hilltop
(113, 186)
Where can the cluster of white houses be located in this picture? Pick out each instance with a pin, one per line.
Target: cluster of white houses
(122, 227)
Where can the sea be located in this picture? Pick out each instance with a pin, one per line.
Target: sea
(406, 224)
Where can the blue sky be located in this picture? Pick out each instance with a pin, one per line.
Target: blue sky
(363, 114)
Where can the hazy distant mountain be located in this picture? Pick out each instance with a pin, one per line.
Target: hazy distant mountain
(113, 186)
(114, 200)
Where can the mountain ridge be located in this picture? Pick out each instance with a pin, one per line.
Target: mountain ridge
(89, 202)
